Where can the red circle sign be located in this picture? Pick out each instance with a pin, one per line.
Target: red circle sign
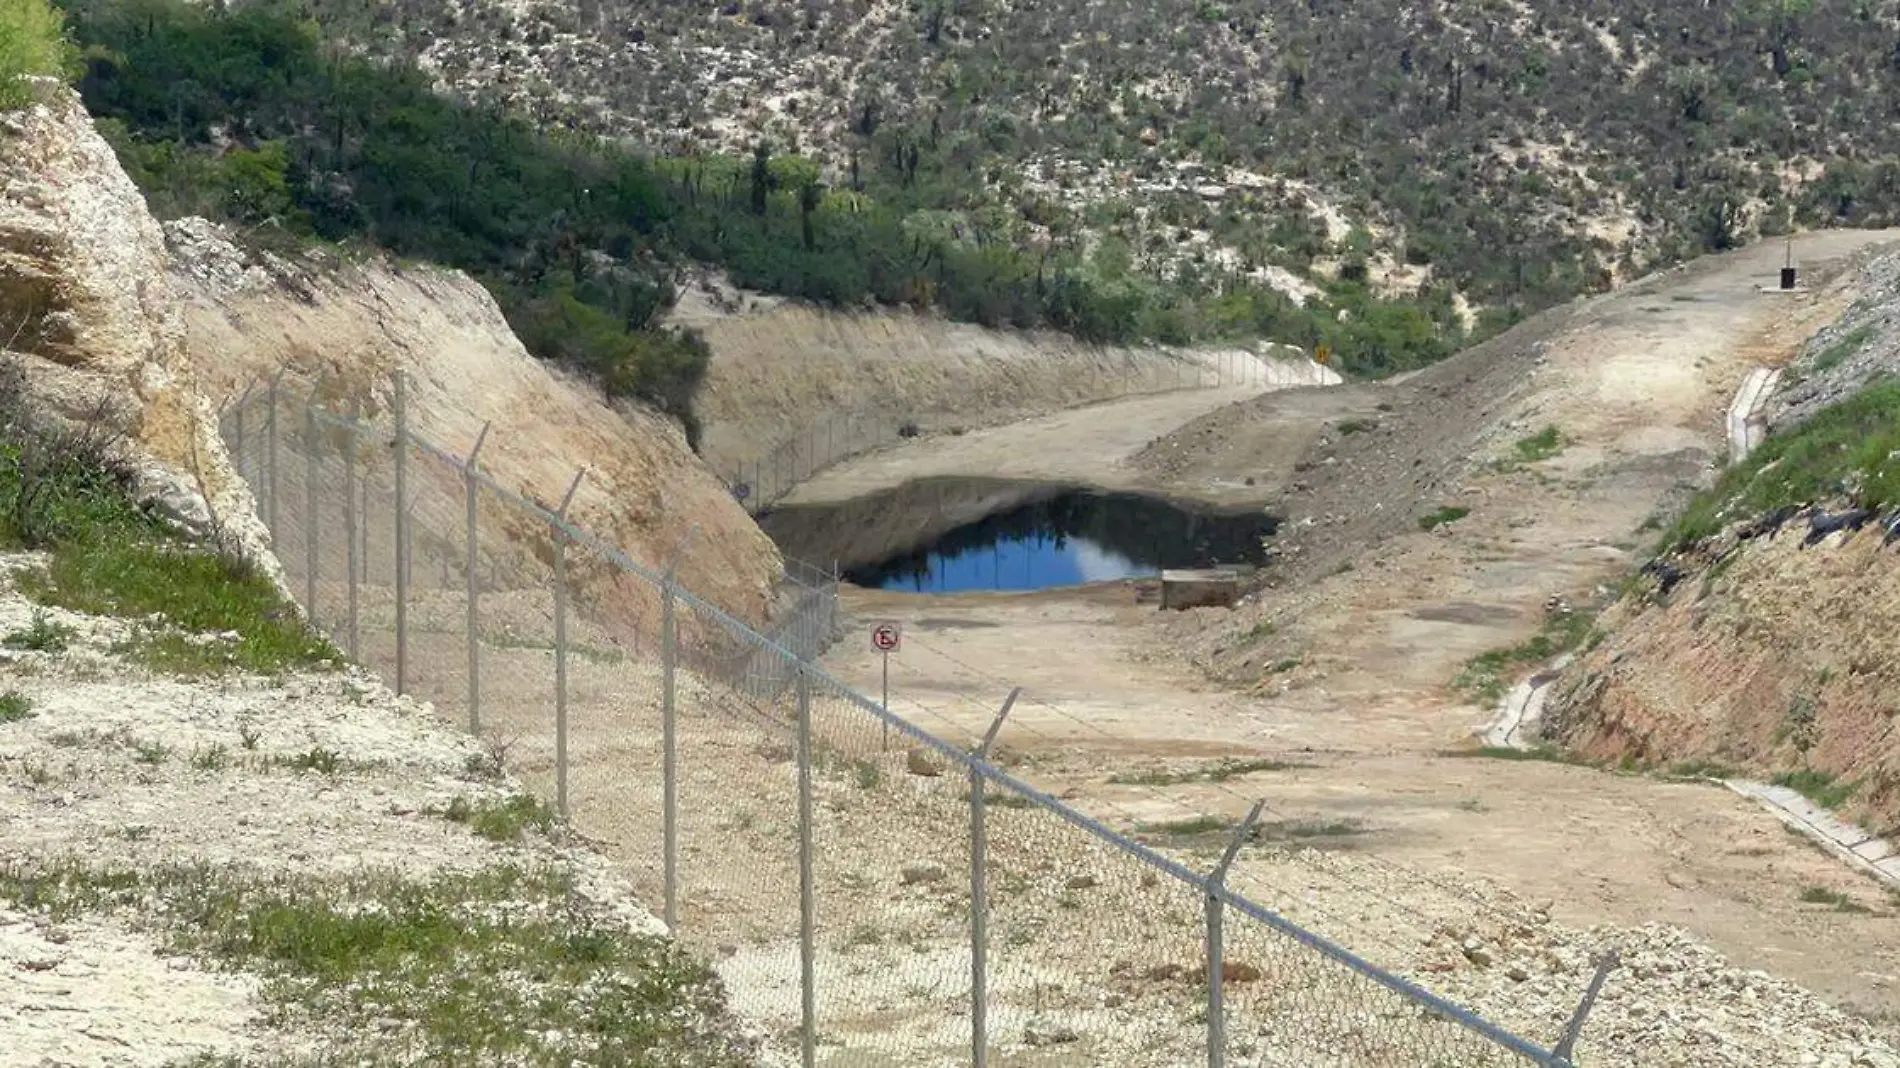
(884, 637)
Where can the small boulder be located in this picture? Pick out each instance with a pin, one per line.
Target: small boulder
(918, 762)
(924, 872)
(1053, 1036)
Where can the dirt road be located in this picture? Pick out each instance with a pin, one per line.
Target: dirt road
(1341, 673)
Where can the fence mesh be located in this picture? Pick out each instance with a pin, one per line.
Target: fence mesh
(820, 851)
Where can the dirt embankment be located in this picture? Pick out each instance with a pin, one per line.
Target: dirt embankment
(349, 326)
(1775, 653)
(1434, 526)
(778, 366)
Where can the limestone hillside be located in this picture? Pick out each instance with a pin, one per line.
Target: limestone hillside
(1764, 638)
(88, 320)
(341, 328)
(1515, 151)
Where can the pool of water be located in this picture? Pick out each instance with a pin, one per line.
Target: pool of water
(1026, 562)
(1019, 539)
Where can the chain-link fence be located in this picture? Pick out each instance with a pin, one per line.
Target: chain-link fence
(838, 435)
(869, 891)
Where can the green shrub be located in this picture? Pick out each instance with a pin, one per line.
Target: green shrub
(1450, 513)
(41, 635)
(1851, 444)
(503, 821)
(33, 42)
(14, 707)
(1820, 787)
(1542, 445)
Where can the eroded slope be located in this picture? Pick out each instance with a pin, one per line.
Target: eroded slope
(1763, 641)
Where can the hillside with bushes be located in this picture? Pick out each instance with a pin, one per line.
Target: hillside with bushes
(1389, 181)
(1509, 153)
(263, 118)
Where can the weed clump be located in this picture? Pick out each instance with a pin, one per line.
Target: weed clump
(1450, 513)
(1848, 449)
(67, 490)
(503, 821)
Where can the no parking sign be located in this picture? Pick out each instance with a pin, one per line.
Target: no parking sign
(887, 637)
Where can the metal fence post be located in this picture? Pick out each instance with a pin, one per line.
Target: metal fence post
(310, 508)
(241, 454)
(470, 488)
(1217, 944)
(807, 910)
(1561, 1056)
(270, 458)
(980, 891)
(352, 519)
(402, 531)
(560, 645)
(669, 723)
(669, 754)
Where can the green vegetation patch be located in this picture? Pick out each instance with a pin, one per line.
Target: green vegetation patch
(1542, 445)
(1216, 771)
(61, 491)
(1847, 448)
(32, 43)
(14, 707)
(40, 635)
(198, 591)
(1834, 899)
(507, 820)
(503, 965)
(1837, 353)
(1209, 830)
(1486, 677)
(1449, 513)
(1543, 753)
(1820, 787)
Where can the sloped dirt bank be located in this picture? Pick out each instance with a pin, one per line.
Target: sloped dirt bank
(778, 366)
(344, 329)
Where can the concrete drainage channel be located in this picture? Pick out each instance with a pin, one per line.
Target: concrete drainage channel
(1522, 709)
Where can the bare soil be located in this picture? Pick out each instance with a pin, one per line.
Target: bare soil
(836, 382)
(1342, 664)
(1090, 445)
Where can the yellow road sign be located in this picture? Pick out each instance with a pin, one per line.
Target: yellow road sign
(1322, 353)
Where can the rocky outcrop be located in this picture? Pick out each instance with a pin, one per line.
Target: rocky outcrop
(87, 307)
(345, 326)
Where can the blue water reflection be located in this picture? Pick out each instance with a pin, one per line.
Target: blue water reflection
(1024, 562)
(1062, 539)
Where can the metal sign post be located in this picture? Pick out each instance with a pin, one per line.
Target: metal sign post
(887, 637)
